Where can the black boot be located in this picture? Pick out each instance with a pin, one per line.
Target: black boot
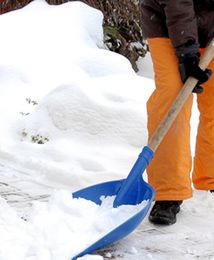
(164, 212)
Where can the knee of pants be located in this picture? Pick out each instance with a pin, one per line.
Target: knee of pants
(167, 75)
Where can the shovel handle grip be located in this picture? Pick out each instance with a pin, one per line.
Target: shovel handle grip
(182, 97)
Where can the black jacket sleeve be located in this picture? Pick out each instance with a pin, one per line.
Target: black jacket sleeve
(180, 20)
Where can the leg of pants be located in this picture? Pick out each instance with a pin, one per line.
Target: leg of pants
(169, 171)
(203, 174)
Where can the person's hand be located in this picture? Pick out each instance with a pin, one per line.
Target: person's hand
(189, 66)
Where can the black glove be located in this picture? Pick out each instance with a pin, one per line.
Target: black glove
(189, 66)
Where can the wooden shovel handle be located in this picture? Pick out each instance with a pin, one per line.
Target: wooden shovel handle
(177, 105)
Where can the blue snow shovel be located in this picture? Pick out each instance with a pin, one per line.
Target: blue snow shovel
(133, 190)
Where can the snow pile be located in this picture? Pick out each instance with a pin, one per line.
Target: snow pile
(91, 111)
(59, 229)
(72, 112)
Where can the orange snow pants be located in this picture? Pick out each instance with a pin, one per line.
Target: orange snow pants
(169, 171)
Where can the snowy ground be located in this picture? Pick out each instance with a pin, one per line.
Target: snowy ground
(73, 114)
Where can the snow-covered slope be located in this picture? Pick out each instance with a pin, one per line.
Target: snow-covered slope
(90, 101)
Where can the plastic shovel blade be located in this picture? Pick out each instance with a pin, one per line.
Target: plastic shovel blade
(130, 191)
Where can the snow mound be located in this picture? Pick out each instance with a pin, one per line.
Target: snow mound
(89, 112)
(72, 112)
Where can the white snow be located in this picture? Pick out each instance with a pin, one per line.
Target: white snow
(73, 114)
(61, 228)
